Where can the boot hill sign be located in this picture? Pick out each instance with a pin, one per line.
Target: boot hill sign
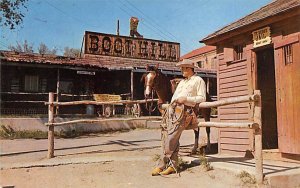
(129, 47)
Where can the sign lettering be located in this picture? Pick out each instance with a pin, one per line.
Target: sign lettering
(122, 46)
(261, 37)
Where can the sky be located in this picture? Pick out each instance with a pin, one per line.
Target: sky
(62, 23)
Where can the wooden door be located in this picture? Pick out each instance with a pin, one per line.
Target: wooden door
(287, 65)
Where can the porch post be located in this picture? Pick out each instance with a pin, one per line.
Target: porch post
(207, 85)
(51, 127)
(131, 84)
(57, 91)
(258, 141)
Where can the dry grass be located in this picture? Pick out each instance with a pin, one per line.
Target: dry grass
(7, 132)
(246, 178)
(205, 164)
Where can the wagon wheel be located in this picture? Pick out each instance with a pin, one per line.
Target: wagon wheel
(136, 110)
(107, 111)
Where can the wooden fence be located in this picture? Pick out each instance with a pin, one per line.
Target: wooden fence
(255, 123)
(51, 111)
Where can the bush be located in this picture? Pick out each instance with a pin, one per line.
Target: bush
(6, 132)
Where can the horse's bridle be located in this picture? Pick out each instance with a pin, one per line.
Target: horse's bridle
(152, 87)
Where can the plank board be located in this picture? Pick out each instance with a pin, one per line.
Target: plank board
(233, 79)
(233, 73)
(244, 141)
(240, 105)
(234, 135)
(233, 111)
(225, 68)
(232, 152)
(233, 94)
(233, 89)
(234, 84)
(235, 147)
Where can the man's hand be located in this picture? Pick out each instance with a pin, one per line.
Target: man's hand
(181, 100)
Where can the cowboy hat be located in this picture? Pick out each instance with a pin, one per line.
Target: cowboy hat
(187, 63)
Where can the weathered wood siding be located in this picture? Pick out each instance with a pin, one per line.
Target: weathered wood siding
(288, 100)
(232, 82)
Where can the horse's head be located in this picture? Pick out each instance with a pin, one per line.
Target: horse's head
(150, 81)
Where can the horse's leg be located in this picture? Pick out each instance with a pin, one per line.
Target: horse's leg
(195, 147)
(207, 118)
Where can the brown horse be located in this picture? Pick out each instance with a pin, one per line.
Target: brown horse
(154, 80)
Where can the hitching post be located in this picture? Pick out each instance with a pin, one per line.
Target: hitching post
(51, 127)
(258, 140)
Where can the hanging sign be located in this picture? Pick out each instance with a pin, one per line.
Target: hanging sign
(86, 72)
(261, 37)
(130, 47)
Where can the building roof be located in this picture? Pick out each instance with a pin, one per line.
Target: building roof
(269, 10)
(105, 62)
(198, 51)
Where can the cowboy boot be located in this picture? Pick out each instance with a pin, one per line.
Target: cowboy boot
(156, 171)
(169, 170)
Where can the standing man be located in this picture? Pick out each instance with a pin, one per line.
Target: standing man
(189, 92)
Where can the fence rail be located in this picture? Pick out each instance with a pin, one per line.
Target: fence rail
(30, 100)
(255, 124)
(99, 103)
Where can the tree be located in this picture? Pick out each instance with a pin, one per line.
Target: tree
(71, 52)
(25, 47)
(43, 49)
(11, 12)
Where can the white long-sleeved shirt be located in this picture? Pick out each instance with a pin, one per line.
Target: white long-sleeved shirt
(193, 88)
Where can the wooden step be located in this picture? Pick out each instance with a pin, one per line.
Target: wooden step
(275, 154)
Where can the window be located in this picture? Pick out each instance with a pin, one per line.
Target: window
(200, 64)
(288, 54)
(66, 87)
(214, 63)
(238, 52)
(31, 83)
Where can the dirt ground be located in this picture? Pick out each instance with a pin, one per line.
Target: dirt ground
(114, 167)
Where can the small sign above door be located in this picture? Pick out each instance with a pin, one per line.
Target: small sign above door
(86, 72)
(261, 37)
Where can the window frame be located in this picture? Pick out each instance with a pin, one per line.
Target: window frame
(31, 83)
(238, 52)
(200, 64)
(287, 54)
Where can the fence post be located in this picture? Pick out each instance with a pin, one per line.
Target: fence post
(51, 127)
(258, 140)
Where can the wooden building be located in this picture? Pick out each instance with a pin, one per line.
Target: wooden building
(111, 64)
(261, 51)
